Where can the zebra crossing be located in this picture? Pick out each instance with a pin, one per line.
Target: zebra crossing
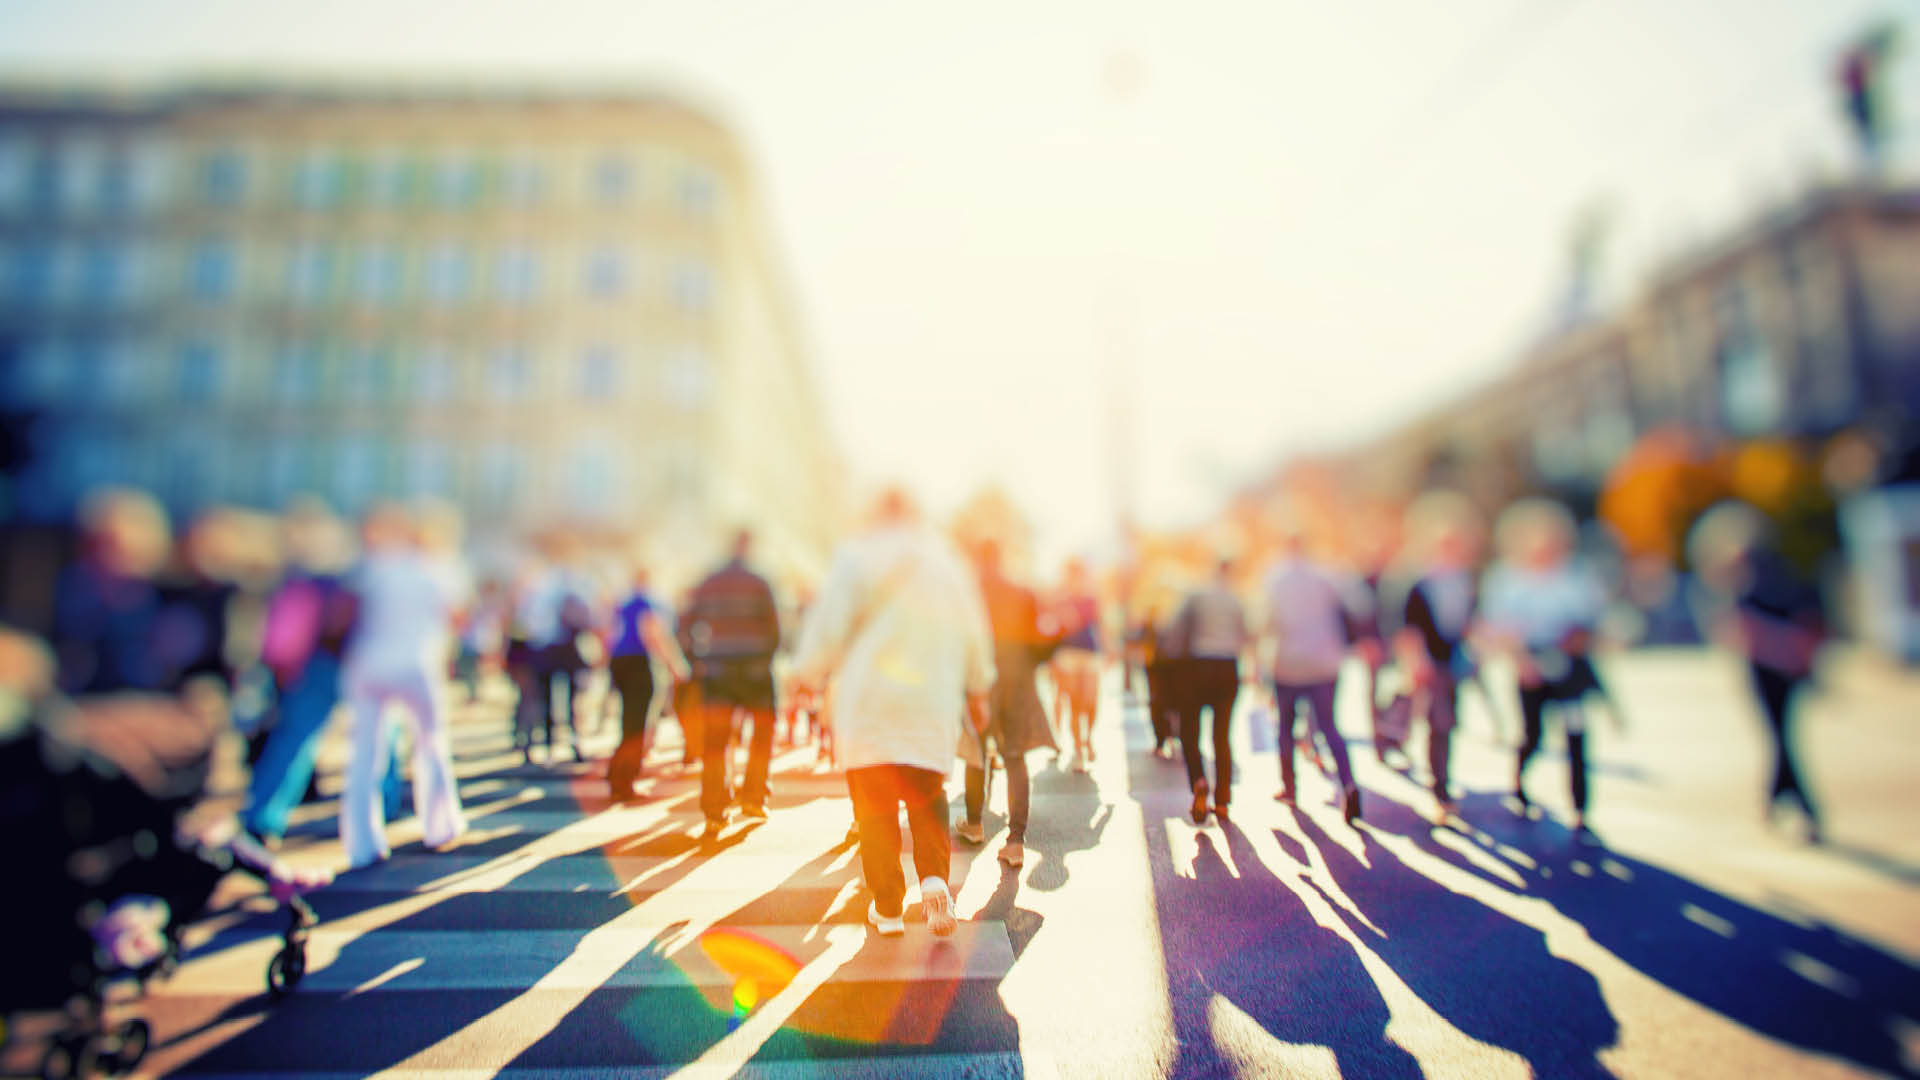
(566, 937)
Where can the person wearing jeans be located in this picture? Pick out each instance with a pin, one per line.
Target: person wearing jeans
(1439, 612)
(1214, 626)
(1309, 618)
(900, 630)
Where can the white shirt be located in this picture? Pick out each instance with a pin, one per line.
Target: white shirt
(406, 604)
(1307, 609)
(900, 626)
(1540, 606)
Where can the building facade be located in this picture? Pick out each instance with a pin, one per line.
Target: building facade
(556, 308)
(1801, 324)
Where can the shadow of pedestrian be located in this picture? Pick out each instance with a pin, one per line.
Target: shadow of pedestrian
(1790, 977)
(1068, 815)
(1236, 935)
(1486, 973)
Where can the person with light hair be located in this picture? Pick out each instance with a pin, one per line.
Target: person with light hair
(407, 595)
(1310, 613)
(901, 631)
(1543, 605)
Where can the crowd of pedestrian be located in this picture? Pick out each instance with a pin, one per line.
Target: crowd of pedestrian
(915, 654)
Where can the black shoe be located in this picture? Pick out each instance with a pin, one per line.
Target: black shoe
(1200, 803)
(1350, 806)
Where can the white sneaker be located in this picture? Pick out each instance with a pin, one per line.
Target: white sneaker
(938, 903)
(887, 925)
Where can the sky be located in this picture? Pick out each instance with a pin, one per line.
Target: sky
(1250, 229)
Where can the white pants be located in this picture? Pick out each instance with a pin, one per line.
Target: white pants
(436, 799)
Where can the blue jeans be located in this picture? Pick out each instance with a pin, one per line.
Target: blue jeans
(1318, 697)
(285, 768)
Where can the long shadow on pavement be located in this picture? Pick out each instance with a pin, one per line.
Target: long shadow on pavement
(1801, 982)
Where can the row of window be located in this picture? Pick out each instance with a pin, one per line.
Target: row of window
(55, 373)
(593, 474)
(83, 174)
(116, 272)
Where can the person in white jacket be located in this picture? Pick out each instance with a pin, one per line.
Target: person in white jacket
(901, 630)
(397, 653)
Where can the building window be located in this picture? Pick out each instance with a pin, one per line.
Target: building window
(510, 374)
(356, 471)
(689, 379)
(104, 273)
(692, 287)
(309, 272)
(223, 177)
(117, 182)
(319, 179)
(297, 374)
(503, 469)
(514, 275)
(699, 193)
(378, 277)
(45, 372)
(199, 376)
(17, 154)
(433, 375)
(446, 277)
(606, 273)
(390, 178)
(591, 476)
(149, 162)
(521, 180)
(456, 181)
(612, 179)
(80, 162)
(599, 373)
(211, 271)
(123, 372)
(369, 375)
(32, 273)
(429, 469)
(1753, 392)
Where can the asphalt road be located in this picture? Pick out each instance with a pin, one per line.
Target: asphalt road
(564, 938)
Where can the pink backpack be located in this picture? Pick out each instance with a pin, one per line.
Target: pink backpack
(293, 627)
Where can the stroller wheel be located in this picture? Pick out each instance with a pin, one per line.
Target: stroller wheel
(129, 1048)
(70, 1058)
(284, 973)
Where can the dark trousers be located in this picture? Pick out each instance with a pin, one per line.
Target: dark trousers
(878, 792)
(1161, 681)
(1212, 684)
(1443, 714)
(555, 663)
(1533, 703)
(1776, 691)
(1017, 795)
(716, 727)
(633, 681)
(1318, 698)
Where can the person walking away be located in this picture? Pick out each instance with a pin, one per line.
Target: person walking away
(900, 627)
(1076, 664)
(1308, 612)
(734, 626)
(309, 620)
(1017, 722)
(1431, 643)
(1543, 605)
(397, 655)
(1214, 625)
(1166, 681)
(639, 638)
(481, 635)
(1776, 623)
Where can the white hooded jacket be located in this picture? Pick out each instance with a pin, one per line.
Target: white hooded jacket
(901, 630)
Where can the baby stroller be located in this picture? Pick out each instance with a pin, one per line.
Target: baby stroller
(95, 800)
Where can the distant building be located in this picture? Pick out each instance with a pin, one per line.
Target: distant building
(553, 307)
(1802, 323)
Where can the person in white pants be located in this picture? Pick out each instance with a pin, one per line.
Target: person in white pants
(396, 655)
